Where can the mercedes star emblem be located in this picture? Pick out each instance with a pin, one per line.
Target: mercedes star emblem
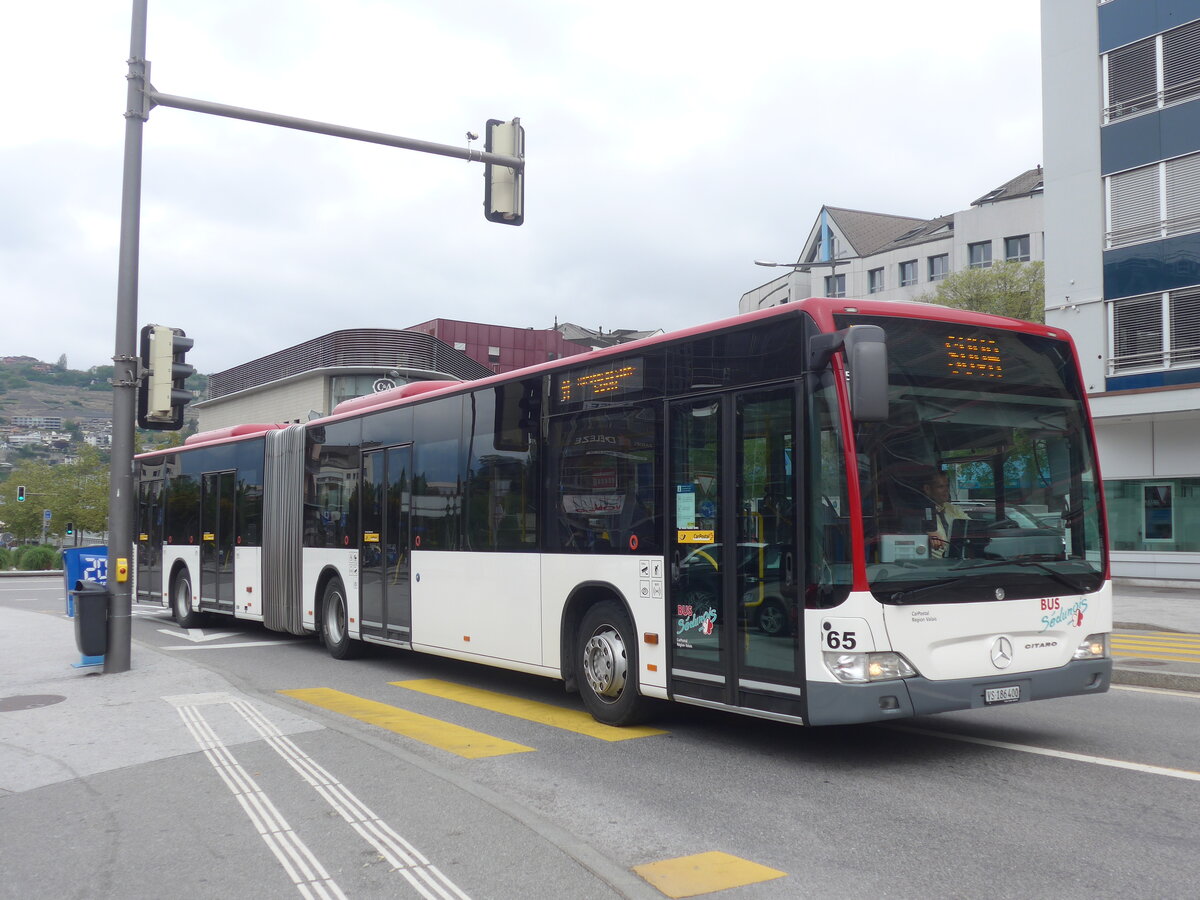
(1002, 653)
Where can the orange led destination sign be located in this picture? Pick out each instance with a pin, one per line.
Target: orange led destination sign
(974, 356)
(600, 383)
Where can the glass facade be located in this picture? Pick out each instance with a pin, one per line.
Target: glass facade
(1154, 514)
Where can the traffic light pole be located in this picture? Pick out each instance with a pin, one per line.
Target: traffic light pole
(127, 370)
(126, 364)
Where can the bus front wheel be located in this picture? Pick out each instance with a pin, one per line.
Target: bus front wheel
(335, 621)
(181, 601)
(607, 666)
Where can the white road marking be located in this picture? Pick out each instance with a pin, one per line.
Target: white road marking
(304, 869)
(198, 635)
(228, 646)
(424, 877)
(406, 859)
(1185, 774)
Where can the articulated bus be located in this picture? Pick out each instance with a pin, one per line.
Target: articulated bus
(827, 512)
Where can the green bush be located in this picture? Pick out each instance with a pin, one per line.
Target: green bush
(38, 559)
(6, 559)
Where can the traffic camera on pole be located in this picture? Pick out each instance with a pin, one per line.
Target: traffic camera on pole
(504, 187)
(163, 396)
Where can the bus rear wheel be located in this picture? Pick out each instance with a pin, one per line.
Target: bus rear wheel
(181, 601)
(607, 661)
(335, 621)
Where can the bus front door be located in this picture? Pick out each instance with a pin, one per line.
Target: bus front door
(733, 553)
(384, 555)
(218, 499)
(149, 541)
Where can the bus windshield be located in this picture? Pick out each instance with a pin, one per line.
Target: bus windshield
(981, 485)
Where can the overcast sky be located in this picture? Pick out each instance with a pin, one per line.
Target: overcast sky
(669, 144)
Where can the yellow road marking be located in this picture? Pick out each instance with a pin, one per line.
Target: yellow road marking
(703, 873)
(434, 732)
(530, 710)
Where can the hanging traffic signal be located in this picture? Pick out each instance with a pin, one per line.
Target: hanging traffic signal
(163, 396)
(20, 493)
(504, 187)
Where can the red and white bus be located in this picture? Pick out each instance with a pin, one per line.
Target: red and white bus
(744, 516)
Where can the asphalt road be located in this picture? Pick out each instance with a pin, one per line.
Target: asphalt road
(1095, 796)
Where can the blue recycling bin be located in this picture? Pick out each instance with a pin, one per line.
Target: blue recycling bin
(87, 565)
(83, 564)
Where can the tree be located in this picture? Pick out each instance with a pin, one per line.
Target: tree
(74, 492)
(1013, 289)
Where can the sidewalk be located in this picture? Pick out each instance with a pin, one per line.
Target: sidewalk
(1156, 639)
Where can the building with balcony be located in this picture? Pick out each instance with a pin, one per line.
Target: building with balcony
(1121, 108)
(852, 253)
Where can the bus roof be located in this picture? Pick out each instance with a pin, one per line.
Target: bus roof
(822, 310)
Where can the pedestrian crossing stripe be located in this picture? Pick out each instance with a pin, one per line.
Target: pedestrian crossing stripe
(446, 736)
(561, 717)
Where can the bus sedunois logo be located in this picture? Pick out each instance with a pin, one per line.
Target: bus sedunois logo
(1002, 653)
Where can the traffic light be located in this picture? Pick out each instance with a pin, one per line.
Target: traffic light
(163, 396)
(70, 528)
(504, 187)
(20, 493)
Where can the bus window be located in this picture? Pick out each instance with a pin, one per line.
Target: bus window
(604, 482)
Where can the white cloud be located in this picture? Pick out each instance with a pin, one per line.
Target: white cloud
(669, 144)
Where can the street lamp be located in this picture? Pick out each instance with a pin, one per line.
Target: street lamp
(798, 266)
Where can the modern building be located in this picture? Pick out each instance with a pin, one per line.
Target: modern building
(311, 378)
(1121, 108)
(852, 253)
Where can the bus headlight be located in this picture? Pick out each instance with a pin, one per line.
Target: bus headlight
(1094, 646)
(860, 668)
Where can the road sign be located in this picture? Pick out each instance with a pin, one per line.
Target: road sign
(46, 515)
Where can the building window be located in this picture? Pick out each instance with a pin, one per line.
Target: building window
(1153, 202)
(1156, 331)
(980, 254)
(1016, 249)
(1162, 514)
(461, 346)
(875, 281)
(939, 266)
(1132, 79)
(1133, 73)
(835, 285)
(493, 354)
(908, 273)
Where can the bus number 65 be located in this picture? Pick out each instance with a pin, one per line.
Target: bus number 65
(840, 640)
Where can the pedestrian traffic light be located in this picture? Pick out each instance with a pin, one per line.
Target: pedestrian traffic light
(70, 528)
(163, 396)
(20, 493)
(504, 187)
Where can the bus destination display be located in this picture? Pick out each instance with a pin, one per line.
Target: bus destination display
(974, 356)
(600, 382)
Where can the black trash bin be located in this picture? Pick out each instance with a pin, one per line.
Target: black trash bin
(91, 617)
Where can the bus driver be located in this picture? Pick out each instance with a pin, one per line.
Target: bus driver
(937, 489)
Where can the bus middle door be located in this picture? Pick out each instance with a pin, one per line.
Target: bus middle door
(384, 558)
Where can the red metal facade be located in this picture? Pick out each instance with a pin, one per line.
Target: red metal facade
(501, 348)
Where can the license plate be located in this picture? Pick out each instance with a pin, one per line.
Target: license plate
(1002, 694)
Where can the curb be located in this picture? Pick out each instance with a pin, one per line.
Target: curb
(1165, 680)
(57, 573)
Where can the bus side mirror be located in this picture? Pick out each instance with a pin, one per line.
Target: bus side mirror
(865, 348)
(866, 358)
